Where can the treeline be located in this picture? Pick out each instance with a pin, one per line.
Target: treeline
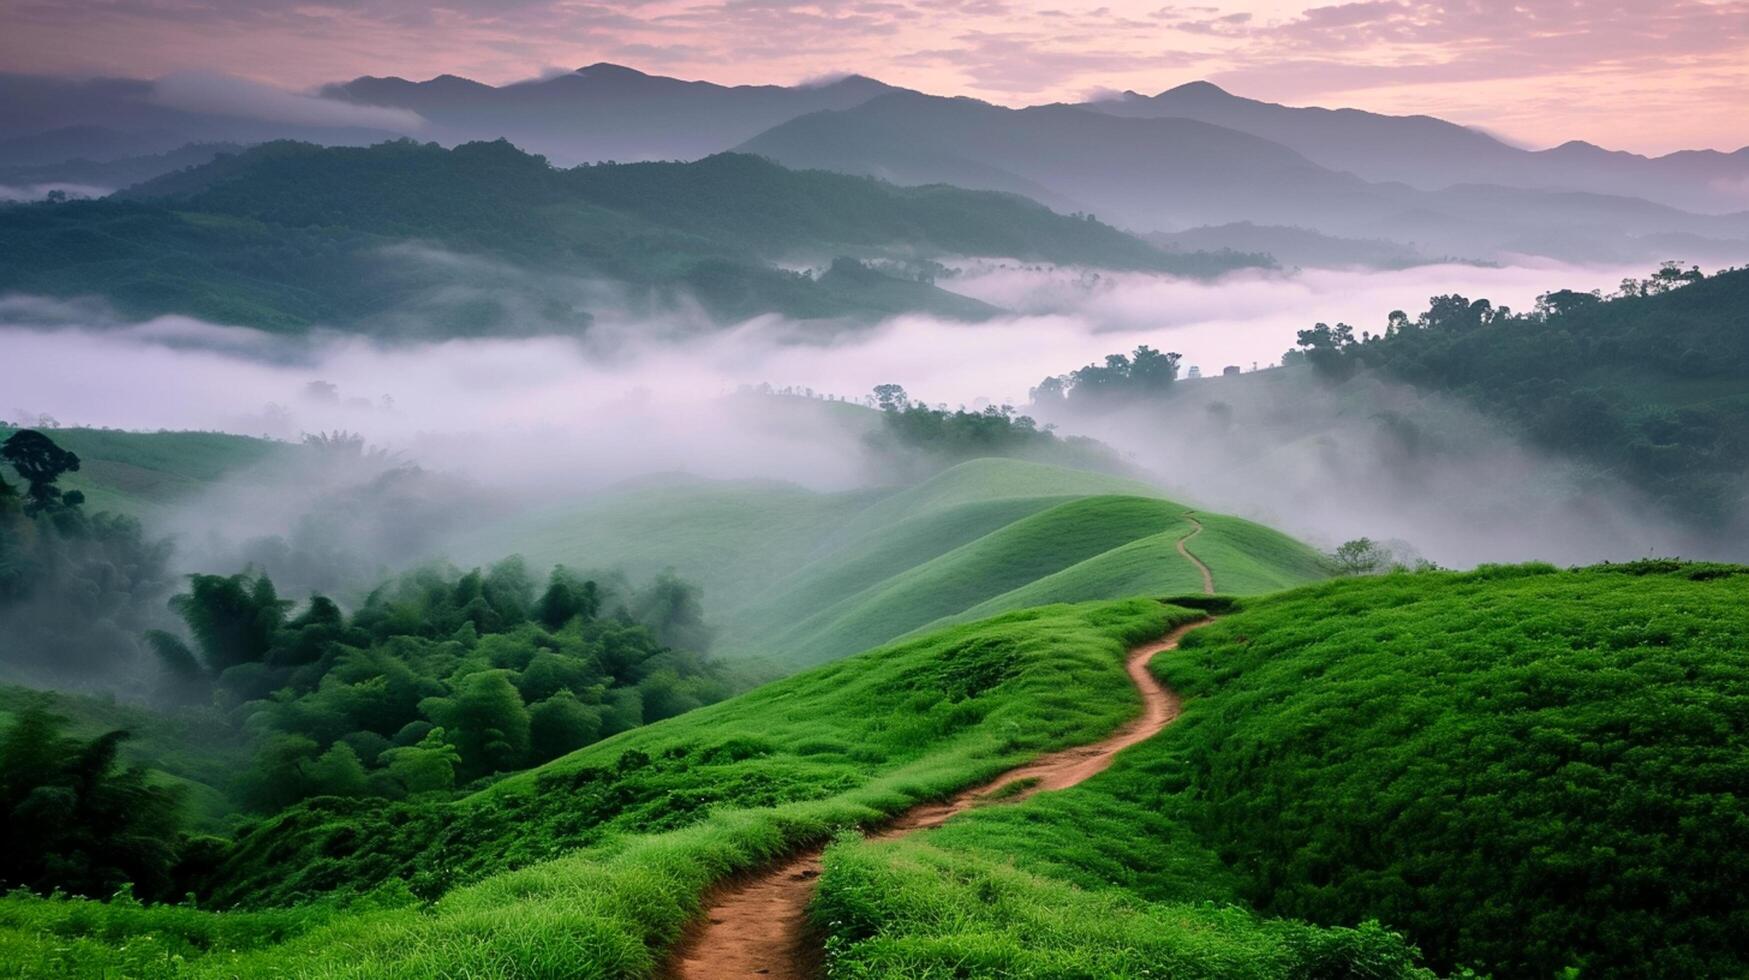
(1648, 383)
(915, 439)
(1144, 373)
(438, 681)
(441, 678)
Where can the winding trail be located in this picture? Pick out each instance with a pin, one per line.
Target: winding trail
(758, 926)
(1208, 577)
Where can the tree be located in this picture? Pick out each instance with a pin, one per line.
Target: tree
(40, 462)
(73, 820)
(336, 772)
(234, 619)
(1360, 557)
(561, 724)
(566, 598)
(488, 722)
(891, 397)
(428, 767)
(670, 607)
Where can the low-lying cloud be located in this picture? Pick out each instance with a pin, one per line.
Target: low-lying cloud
(548, 417)
(228, 95)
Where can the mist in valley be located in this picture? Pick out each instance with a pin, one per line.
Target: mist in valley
(455, 434)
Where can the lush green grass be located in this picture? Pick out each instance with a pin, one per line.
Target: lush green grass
(797, 578)
(1521, 769)
(615, 843)
(1145, 566)
(1018, 553)
(1524, 769)
(139, 473)
(1249, 559)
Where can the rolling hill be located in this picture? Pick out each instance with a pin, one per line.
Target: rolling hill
(795, 577)
(1480, 765)
(410, 236)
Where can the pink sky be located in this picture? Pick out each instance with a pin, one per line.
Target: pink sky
(1643, 75)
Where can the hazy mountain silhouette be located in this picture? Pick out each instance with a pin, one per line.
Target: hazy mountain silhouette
(605, 111)
(1171, 173)
(1431, 153)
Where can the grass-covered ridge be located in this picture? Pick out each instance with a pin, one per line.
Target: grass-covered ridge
(1522, 769)
(614, 844)
(799, 578)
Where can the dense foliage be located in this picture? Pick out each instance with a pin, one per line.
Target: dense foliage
(1146, 373)
(781, 766)
(76, 589)
(916, 440)
(440, 678)
(1650, 384)
(1523, 769)
(72, 820)
(486, 238)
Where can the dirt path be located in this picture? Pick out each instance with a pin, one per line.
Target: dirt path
(1208, 577)
(759, 927)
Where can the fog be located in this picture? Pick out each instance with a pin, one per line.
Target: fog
(519, 422)
(228, 95)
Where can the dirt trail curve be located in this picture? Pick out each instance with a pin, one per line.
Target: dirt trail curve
(758, 927)
(1208, 577)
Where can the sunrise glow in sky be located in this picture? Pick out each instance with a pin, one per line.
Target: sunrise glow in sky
(1644, 75)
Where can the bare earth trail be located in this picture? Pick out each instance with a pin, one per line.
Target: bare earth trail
(759, 926)
(1208, 577)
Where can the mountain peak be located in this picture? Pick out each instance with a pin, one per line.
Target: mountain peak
(607, 69)
(1196, 90)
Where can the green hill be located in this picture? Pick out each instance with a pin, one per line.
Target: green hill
(1522, 769)
(592, 865)
(138, 473)
(487, 239)
(797, 578)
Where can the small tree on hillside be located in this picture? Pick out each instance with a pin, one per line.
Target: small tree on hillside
(1360, 557)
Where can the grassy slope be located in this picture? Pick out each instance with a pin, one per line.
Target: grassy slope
(138, 473)
(752, 777)
(1524, 769)
(798, 578)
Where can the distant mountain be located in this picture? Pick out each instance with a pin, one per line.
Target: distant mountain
(605, 112)
(1147, 173)
(110, 174)
(1169, 173)
(47, 120)
(1431, 154)
(484, 238)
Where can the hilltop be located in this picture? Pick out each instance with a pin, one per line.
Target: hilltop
(797, 577)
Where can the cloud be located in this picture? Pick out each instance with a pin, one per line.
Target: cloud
(225, 95)
(545, 417)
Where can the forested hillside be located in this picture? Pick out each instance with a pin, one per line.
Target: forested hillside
(1652, 383)
(287, 235)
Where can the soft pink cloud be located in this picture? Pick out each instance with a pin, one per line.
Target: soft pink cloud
(1648, 75)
